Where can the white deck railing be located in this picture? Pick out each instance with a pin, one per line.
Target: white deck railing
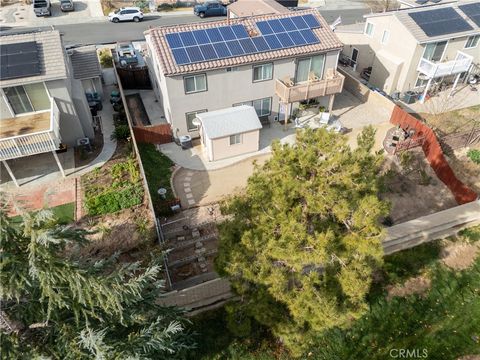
(34, 143)
(432, 69)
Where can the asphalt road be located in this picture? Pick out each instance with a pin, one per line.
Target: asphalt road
(104, 32)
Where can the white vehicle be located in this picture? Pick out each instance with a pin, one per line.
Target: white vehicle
(126, 14)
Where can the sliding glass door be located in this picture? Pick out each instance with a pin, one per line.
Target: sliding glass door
(27, 98)
(313, 65)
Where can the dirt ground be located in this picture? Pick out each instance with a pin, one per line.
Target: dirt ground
(412, 194)
(453, 121)
(127, 232)
(464, 168)
(459, 255)
(416, 285)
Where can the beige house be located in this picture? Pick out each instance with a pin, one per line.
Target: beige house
(248, 71)
(42, 106)
(229, 132)
(407, 50)
(242, 8)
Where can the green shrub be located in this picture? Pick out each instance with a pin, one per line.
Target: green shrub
(121, 132)
(142, 4)
(106, 58)
(165, 7)
(474, 155)
(114, 200)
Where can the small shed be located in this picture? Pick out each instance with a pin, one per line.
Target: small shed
(86, 68)
(229, 132)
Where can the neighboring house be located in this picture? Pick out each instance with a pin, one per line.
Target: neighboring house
(412, 49)
(86, 68)
(255, 65)
(406, 4)
(229, 132)
(41, 105)
(242, 8)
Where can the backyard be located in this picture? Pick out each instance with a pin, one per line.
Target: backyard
(422, 298)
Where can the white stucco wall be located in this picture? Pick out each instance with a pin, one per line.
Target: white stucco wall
(221, 149)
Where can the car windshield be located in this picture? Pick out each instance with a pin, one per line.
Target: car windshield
(117, 11)
(40, 4)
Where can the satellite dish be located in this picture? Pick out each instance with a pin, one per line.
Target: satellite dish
(196, 122)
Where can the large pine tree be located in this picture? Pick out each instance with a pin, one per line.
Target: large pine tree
(301, 243)
(59, 307)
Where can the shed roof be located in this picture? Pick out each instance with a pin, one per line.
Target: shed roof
(403, 16)
(156, 39)
(229, 121)
(85, 63)
(256, 7)
(50, 55)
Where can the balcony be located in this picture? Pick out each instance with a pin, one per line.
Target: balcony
(433, 69)
(289, 92)
(29, 134)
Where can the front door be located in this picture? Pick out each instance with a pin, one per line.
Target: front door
(354, 58)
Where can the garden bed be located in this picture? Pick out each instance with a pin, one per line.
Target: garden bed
(115, 186)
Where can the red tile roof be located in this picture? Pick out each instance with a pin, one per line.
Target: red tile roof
(156, 37)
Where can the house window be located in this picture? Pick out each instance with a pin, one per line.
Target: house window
(385, 36)
(195, 83)
(263, 107)
(434, 51)
(421, 82)
(262, 72)
(472, 41)
(190, 116)
(235, 139)
(27, 98)
(309, 66)
(369, 29)
(230, 69)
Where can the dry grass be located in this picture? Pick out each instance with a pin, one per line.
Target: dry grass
(417, 285)
(453, 121)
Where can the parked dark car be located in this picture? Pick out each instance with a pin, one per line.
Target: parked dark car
(66, 5)
(210, 8)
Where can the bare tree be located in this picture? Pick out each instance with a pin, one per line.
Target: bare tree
(382, 5)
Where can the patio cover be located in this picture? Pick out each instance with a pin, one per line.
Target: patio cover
(229, 121)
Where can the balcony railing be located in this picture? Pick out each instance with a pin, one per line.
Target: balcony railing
(432, 69)
(288, 92)
(28, 138)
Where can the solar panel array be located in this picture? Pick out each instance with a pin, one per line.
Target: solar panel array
(472, 11)
(190, 47)
(19, 60)
(440, 21)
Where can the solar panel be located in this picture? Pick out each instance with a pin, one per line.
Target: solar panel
(240, 31)
(235, 48)
(19, 60)
(264, 27)
(311, 21)
(222, 50)
(194, 54)
(227, 33)
(300, 23)
(201, 37)
(273, 42)
(227, 41)
(472, 11)
(260, 43)
(440, 21)
(214, 35)
(285, 40)
(248, 46)
(187, 38)
(208, 52)
(174, 41)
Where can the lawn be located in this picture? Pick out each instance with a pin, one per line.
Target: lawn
(453, 121)
(64, 213)
(158, 171)
(443, 321)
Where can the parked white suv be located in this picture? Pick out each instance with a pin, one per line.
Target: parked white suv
(126, 14)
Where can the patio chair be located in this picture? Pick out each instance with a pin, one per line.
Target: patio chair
(324, 118)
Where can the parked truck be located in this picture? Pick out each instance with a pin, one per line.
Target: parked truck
(210, 8)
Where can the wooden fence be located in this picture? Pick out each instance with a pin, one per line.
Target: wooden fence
(154, 134)
(434, 154)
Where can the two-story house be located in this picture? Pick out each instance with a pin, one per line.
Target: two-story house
(271, 62)
(413, 49)
(41, 105)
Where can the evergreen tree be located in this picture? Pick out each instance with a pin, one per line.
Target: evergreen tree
(301, 243)
(58, 307)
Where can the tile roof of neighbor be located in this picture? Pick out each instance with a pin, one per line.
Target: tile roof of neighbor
(257, 7)
(229, 121)
(417, 32)
(156, 38)
(85, 62)
(50, 54)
